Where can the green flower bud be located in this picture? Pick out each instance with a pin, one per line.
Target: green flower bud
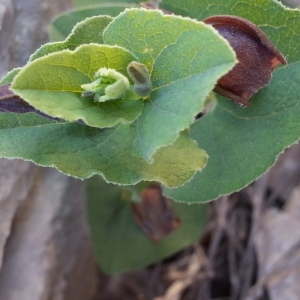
(109, 84)
(141, 78)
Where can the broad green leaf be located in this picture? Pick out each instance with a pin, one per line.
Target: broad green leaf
(242, 143)
(82, 151)
(118, 243)
(185, 57)
(8, 78)
(279, 23)
(63, 25)
(52, 85)
(83, 3)
(86, 32)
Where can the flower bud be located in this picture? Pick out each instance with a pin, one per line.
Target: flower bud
(257, 58)
(109, 84)
(141, 78)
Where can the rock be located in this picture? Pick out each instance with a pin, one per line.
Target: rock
(45, 251)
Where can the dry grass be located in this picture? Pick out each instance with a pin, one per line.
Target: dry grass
(250, 248)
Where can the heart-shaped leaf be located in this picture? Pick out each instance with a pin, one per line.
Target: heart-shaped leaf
(52, 84)
(244, 143)
(185, 58)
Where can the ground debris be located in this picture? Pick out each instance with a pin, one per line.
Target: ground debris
(250, 249)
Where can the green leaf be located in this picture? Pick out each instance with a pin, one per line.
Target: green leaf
(244, 143)
(63, 25)
(8, 78)
(185, 58)
(118, 243)
(86, 32)
(281, 25)
(82, 151)
(52, 84)
(80, 3)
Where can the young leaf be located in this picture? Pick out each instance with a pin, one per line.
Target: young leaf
(82, 3)
(63, 25)
(8, 78)
(244, 143)
(111, 223)
(52, 84)
(185, 59)
(86, 32)
(82, 151)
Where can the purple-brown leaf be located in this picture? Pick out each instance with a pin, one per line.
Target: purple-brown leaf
(11, 103)
(154, 214)
(257, 58)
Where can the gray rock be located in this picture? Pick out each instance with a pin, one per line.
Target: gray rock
(45, 252)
